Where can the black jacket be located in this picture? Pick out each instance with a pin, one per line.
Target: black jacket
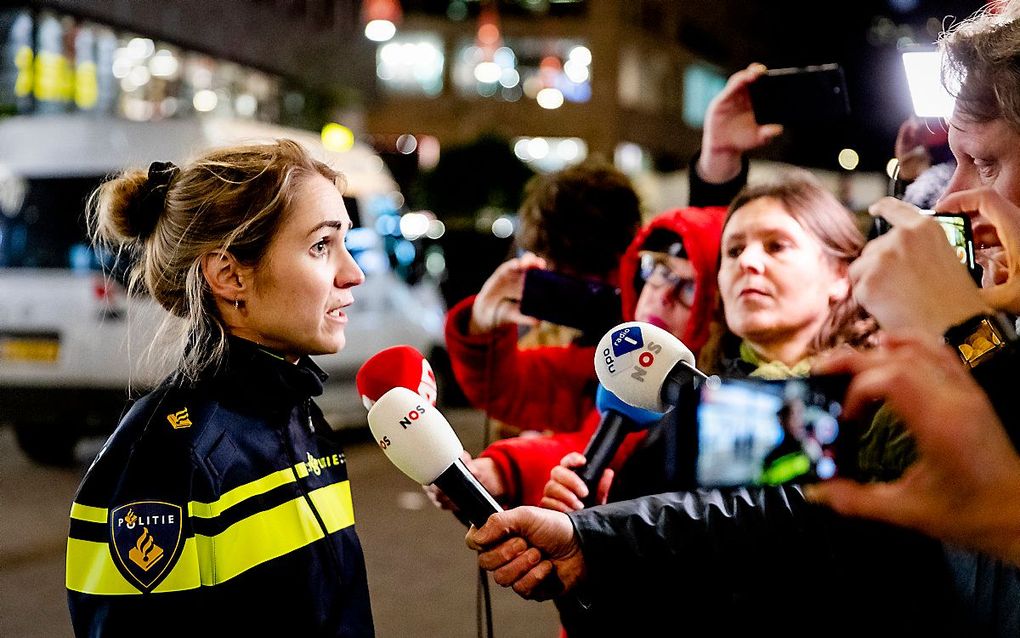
(220, 509)
(763, 559)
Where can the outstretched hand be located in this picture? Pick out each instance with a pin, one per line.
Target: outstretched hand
(499, 301)
(965, 485)
(731, 130)
(904, 291)
(530, 549)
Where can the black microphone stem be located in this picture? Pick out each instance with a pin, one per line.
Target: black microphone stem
(600, 451)
(471, 498)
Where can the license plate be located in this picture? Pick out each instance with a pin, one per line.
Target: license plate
(43, 348)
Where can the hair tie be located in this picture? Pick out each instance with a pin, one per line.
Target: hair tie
(153, 196)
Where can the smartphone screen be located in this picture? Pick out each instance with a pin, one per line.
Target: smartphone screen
(800, 95)
(589, 306)
(763, 432)
(960, 236)
(958, 231)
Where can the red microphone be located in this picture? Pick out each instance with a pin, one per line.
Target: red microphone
(396, 367)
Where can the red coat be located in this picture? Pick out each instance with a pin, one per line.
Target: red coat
(552, 388)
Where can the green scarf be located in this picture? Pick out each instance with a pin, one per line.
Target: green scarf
(775, 370)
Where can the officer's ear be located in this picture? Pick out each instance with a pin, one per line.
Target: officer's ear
(229, 280)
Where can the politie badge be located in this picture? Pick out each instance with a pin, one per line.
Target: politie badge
(146, 540)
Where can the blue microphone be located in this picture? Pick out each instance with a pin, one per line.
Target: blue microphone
(618, 420)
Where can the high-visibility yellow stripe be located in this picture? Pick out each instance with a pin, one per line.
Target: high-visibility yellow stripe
(90, 569)
(240, 493)
(334, 505)
(211, 560)
(212, 509)
(88, 513)
(273, 533)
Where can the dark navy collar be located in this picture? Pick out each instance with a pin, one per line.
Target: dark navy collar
(263, 376)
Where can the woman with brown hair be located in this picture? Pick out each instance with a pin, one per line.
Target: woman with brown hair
(221, 504)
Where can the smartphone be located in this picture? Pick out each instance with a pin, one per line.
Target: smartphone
(958, 231)
(763, 432)
(800, 95)
(590, 306)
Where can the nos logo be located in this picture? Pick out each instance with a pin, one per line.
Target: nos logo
(405, 423)
(645, 361)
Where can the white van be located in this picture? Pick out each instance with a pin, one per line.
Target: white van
(72, 343)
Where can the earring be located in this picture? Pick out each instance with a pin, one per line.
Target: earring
(237, 304)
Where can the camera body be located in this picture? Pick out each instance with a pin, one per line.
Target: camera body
(590, 306)
(764, 432)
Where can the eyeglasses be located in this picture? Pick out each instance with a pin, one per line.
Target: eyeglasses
(656, 272)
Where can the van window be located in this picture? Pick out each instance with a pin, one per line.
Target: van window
(48, 229)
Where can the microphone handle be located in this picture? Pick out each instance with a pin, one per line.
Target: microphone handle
(600, 451)
(471, 498)
(680, 379)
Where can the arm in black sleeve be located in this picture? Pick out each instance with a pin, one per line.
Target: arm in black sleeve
(744, 556)
(704, 193)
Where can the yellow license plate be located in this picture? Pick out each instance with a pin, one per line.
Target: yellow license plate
(39, 350)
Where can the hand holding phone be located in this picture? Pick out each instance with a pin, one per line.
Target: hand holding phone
(800, 95)
(958, 231)
(588, 305)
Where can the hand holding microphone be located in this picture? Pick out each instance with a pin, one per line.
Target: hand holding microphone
(618, 420)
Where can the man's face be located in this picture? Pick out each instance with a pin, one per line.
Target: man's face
(987, 156)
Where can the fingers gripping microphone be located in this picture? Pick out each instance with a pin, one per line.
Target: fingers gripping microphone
(396, 367)
(645, 365)
(618, 420)
(421, 443)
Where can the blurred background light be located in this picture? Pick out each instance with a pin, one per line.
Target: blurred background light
(849, 159)
(205, 100)
(406, 144)
(891, 166)
(550, 98)
(502, 227)
(414, 225)
(380, 30)
(337, 137)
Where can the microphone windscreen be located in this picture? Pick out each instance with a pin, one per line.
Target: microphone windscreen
(606, 400)
(633, 359)
(414, 435)
(396, 367)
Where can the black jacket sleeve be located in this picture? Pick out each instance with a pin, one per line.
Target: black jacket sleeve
(703, 193)
(762, 557)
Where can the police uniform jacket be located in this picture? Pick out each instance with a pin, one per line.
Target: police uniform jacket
(220, 508)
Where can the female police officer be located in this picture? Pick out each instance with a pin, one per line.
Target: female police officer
(221, 503)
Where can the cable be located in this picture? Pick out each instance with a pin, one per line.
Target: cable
(483, 598)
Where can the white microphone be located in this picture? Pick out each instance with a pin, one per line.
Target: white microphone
(421, 443)
(645, 365)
